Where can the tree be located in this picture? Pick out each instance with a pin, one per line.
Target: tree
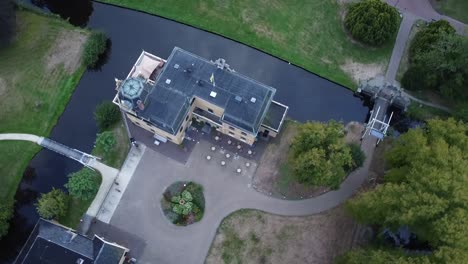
(357, 154)
(426, 188)
(52, 205)
(106, 115)
(6, 212)
(424, 39)
(93, 48)
(7, 22)
(83, 184)
(105, 142)
(446, 66)
(438, 61)
(372, 21)
(319, 155)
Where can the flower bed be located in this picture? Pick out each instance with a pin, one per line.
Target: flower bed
(183, 203)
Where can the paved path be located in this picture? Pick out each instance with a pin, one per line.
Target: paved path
(399, 48)
(424, 10)
(413, 10)
(140, 214)
(118, 187)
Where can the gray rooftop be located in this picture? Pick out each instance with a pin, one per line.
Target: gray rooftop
(185, 76)
(50, 243)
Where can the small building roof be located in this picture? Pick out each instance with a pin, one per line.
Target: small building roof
(55, 244)
(185, 76)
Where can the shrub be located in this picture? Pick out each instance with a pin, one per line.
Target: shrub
(105, 142)
(83, 184)
(106, 115)
(357, 155)
(319, 155)
(183, 203)
(6, 212)
(425, 38)
(413, 78)
(197, 193)
(93, 48)
(52, 204)
(372, 22)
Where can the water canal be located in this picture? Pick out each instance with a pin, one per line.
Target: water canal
(309, 96)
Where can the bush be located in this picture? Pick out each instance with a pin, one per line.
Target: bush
(443, 68)
(106, 115)
(425, 38)
(197, 193)
(6, 212)
(413, 78)
(53, 204)
(319, 155)
(372, 22)
(83, 184)
(357, 155)
(183, 203)
(93, 48)
(105, 142)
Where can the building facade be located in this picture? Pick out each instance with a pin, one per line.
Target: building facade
(163, 97)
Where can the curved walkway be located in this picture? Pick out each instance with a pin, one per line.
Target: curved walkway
(139, 212)
(424, 10)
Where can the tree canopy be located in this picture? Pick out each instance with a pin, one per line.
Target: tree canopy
(439, 62)
(429, 35)
(426, 187)
(83, 184)
(52, 205)
(372, 21)
(319, 155)
(106, 115)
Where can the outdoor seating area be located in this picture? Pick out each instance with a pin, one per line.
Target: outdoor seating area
(194, 135)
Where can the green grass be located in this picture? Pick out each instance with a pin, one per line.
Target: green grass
(308, 33)
(424, 113)
(31, 97)
(457, 9)
(76, 209)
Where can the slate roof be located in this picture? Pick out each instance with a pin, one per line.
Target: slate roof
(185, 76)
(50, 243)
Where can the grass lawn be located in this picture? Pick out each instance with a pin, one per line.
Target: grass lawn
(38, 73)
(308, 33)
(424, 113)
(457, 9)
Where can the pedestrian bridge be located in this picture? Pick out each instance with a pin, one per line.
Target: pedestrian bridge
(80, 156)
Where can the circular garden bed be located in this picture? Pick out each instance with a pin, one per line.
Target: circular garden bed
(183, 203)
